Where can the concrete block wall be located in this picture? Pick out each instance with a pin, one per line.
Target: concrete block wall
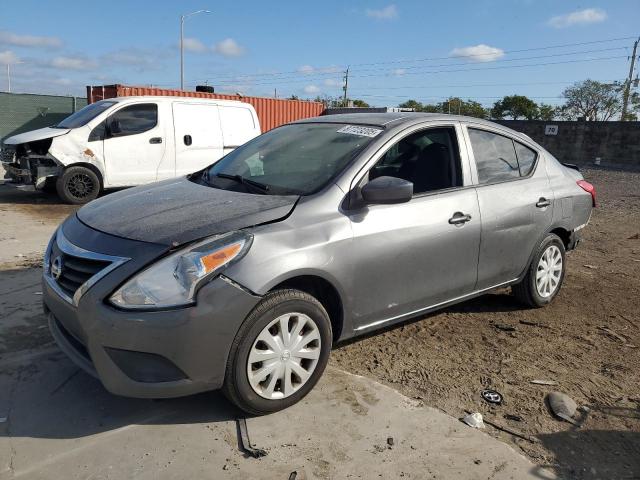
(615, 144)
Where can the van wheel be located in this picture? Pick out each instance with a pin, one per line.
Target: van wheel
(279, 353)
(544, 275)
(78, 185)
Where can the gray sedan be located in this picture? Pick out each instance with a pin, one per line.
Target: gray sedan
(243, 275)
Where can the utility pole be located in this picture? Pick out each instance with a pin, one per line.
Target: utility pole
(8, 77)
(346, 85)
(627, 87)
(182, 19)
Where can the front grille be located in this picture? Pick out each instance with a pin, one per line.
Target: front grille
(74, 271)
(8, 153)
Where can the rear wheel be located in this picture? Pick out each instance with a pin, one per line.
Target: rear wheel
(78, 185)
(279, 353)
(545, 274)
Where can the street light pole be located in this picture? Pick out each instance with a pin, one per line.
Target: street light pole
(182, 19)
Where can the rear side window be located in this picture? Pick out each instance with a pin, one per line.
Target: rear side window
(133, 119)
(237, 125)
(526, 158)
(495, 156)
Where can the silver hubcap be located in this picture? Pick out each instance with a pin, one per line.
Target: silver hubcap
(284, 356)
(549, 271)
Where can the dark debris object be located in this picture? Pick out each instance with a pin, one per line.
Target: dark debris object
(246, 443)
(491, 396)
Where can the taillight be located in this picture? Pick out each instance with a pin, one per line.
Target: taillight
(587, 187)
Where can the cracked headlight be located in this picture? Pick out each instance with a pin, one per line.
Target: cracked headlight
(174, 280)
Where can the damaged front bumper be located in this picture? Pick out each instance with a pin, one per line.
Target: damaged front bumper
(29, 169)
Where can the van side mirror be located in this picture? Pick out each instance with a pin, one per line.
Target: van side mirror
(387, 190)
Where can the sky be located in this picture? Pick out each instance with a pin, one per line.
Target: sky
(395, 51)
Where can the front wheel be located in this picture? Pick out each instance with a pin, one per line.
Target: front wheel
(78, 185)
(545, 274)
(279, 353)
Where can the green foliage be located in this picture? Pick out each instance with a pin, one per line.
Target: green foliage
(547, 112)
(515, 107)
(360, 103)
(453, 105)
(592, 100)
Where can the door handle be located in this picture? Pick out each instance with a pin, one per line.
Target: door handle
(459, 218)
(155, 140)
(543, 202)
(187, 140)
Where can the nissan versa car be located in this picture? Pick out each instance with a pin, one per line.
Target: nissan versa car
(241, 276)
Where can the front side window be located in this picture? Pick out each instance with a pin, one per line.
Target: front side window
(495, 156)
(133, 119)
(298, 158)
(429, 159)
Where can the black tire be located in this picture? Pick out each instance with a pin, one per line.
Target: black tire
(50, 185)
(236, 385)
(526, 290)
(78, 185)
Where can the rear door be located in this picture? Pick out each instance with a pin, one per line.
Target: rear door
(515, 201)
(411, 256)
(134, 145)
(198, 136)
(238, 126)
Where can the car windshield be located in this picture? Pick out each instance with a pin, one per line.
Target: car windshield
(85, 115)
(294, 159)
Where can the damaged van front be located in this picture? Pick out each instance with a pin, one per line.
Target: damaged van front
(39, 157)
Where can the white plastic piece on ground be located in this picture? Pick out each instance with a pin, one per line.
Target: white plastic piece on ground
(474, 420)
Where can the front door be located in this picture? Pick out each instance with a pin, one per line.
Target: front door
(412, 256)
(135, 145)
(515, 200)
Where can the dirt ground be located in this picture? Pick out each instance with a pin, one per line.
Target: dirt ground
(588, 340)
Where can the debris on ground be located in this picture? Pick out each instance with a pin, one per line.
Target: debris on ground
(246, 443)
(562, 406)
(534, 324)
(551, 383)
(593, 267)
(612, 334)
(515, 418)
(492, 396)
(473, 420)
(505, 327)
(390, 441)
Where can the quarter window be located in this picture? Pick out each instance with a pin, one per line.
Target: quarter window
(133, 119)
(428, 158)
(526, 158)
(495, 156)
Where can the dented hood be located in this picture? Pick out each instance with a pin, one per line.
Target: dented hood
(178, 211)
(35, 135)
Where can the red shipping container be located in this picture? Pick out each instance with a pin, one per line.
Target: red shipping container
(272, 112)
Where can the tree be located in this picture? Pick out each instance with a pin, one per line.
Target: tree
(417, 106)
(515, 106)
(457, 106)
(592, 100)
(360, 103)
(547, 112)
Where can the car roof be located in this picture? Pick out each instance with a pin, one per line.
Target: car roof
(390, 119)
(167, 98)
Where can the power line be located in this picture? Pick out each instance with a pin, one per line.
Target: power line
(337, 69)
(517, 84)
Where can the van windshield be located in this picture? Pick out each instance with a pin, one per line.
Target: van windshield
(84, 115)
(295, 159)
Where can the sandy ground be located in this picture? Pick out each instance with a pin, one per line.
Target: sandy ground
(587, 341)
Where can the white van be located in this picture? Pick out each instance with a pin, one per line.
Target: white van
(128, 141)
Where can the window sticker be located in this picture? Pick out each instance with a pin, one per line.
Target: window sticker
(360, 131)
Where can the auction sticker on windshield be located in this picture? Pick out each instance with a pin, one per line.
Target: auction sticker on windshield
(360, 131)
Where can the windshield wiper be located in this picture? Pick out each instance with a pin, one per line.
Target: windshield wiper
(245, 181)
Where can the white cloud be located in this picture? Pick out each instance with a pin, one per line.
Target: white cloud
(398, 72)
(72, 63)
(139, 58)
(579, 17)
(228, 48)
(332, 82)
(387, 13)
(311, 89)
(479, 53)
(194, 45)
(16, 40)
(8, 57)
(306, 69)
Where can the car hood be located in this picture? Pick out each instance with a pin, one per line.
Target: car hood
(178, 211)
(35, 135)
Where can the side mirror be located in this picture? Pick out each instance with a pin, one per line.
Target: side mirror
(386, 190)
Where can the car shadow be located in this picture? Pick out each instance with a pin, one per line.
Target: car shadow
(52, 398)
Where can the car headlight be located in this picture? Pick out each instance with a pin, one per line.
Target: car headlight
(174, 280)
